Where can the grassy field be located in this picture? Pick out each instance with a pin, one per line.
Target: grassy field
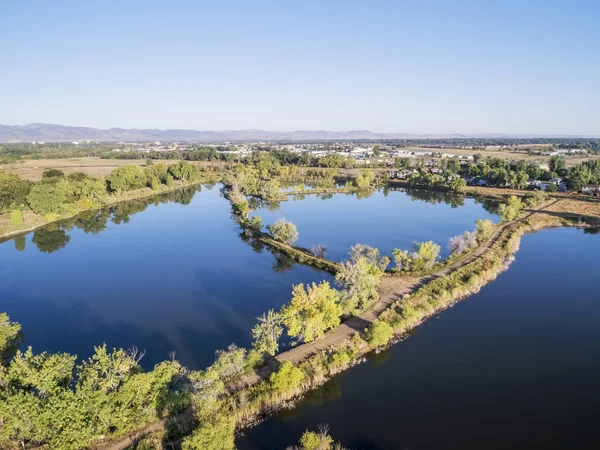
(504, 153)
(32, 169)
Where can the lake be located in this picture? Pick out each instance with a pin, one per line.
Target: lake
(385, 219)
(173, 273)
(514, 366)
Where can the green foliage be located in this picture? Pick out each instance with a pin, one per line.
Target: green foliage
(457, 184)
(267, 331)
(229, 363)
(184, 171)
(53, 173)
(510, 209)
(423, 257)
(217, 434)
(169, 180)
(88, 192)
(16, 217)
(312, 311)
(284, 231)
(379, 334)
(557, 164)
(270, 190)
(45, 399)
(10, 338)
(49, 197)
(154, 183)
(13, 191)
(485, 230)
(287, 378)
(256, 223)
(359, 279)
(126, 178)
(364, 179)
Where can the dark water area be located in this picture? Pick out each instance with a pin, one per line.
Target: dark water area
(176, 276)
(514, 366)
(385, 219)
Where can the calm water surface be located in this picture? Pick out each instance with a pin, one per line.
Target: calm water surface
(177, 275)
(173, 277)
(514, 366)
(385, 220)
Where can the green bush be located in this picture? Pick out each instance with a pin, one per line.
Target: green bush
(287, 378)
(16, 217)
(379, 334)
(284, 231)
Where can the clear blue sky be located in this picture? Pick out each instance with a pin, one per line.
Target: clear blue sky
(397, 66)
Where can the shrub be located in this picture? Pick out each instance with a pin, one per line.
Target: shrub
(16, 217)
(169, 180)
(53, 173)
(256, 223)
(312, 311)
(154, 183)
(287, 378)
(379, 333)
(423, 257)
(126, 179)
(319, 250)
(217, 434)
(485, 230)
(463, 243)
(48, 197)
(510, 209)
(284, 231)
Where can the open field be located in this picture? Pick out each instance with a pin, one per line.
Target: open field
(504, 153)
(32, 169)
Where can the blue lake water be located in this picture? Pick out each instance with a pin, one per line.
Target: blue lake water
(174, 274)
(385, 220)
(514, 366)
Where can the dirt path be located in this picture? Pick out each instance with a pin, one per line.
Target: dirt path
(392, 289)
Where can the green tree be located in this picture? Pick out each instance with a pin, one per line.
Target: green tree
(216, 434)
(10, 339)
(557, 164)
(53, 173)
(312, 311)
(16, 217)
(510, 209)
(485, 230)
(267, 331)
(89, 192)
(13, 190)
(423, 257)
(284, 231)
(229, 363)
(184, 171)
(457, 184)
(287, 378)
(379, 333)
(359, 278)
(126, 178)
(49, 197)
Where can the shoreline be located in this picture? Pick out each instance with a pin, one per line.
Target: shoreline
(138, 194)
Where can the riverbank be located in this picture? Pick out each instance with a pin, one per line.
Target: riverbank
(34, 221)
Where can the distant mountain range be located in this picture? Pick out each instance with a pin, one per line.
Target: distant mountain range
(61, 133)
